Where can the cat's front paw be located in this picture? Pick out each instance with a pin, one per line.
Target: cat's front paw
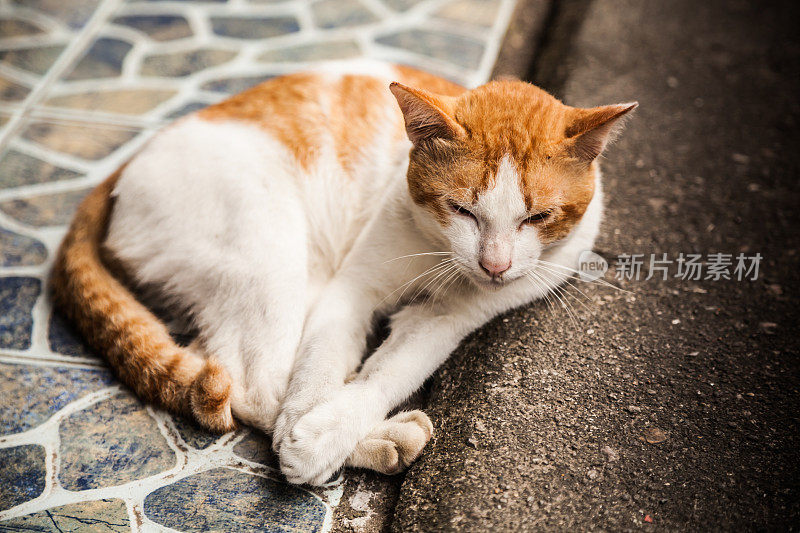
(293, 409)
(392, 445)
(283, 425)
(320, 442)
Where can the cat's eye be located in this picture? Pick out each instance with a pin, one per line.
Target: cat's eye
(538, 217)
(461, 210)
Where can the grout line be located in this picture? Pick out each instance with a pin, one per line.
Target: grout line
(494, 42)
(66, 361)
(64, 61)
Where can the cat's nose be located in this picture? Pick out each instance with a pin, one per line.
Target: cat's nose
(493, 268)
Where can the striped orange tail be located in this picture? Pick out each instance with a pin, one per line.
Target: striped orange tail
(133, 340)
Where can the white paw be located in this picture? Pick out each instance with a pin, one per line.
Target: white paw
(392, 445)
(285, 422)
(292, 411)
(320, 442)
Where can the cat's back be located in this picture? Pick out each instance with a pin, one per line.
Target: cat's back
(338, 121)
(325, 142)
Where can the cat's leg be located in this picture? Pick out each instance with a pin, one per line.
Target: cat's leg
(322, 439)
(251, 319)
(333, 344)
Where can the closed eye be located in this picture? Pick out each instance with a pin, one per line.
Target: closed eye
(538, 217)
(461, 210)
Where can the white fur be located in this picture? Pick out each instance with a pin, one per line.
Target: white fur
(283, 271)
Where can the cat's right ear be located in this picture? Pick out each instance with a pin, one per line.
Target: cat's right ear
(427, 116)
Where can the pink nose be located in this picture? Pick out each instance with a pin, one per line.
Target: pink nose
(494, 269)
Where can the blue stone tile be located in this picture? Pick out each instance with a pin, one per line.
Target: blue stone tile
(18, 169)
(234, 85)
(103, 60)
(256, 447)
(234, 501)
(341, 13)
(19, 250)
(63, 338)
(111, 443)
(14, 27)
(74, 13)
(457, 49)
(313, 52)
(401, 5)
(36, 59)
(254, 27)
(32, 394)
(132, 101)
(194, 435)
(17, 296)
(84, 517)
(191, 107)
(85, 140)
(477, 12)
(44, 210)
(179, 64)
(22, 474)
(157, 27)
(11, 91)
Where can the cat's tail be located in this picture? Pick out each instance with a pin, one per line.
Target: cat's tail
(133, 340)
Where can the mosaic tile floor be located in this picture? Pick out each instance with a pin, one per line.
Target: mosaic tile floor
(83, 84)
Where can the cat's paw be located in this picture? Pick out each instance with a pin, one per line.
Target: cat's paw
(321, 441)
(283, 425)
(293, 409)
(392, 445)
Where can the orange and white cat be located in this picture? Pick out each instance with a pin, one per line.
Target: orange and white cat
(283, 220)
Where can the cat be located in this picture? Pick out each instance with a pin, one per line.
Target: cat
(285, 219)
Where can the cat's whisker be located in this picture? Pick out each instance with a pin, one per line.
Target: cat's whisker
(564, 304)
(441, 274)
(545, 291)
(566, 295)
(572, 285)
(598, 281)
(565, 269)
(438, 280)
(445, 284)
(433, 272)
(430, 287)
(405, 285)
(417, 255)
(548, 300)
(566, 307)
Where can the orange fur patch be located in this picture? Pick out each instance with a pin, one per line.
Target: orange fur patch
(293, 109)
(515, 119)
(360, 103)
(287, 106)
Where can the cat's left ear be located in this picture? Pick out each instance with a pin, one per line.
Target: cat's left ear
(427, 115)
(591, 130)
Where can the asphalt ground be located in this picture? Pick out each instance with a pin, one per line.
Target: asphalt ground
(671, 404)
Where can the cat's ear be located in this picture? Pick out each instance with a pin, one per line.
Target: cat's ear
(591, 130)
(427, 116)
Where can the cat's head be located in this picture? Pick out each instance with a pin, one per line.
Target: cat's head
(505, 170)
